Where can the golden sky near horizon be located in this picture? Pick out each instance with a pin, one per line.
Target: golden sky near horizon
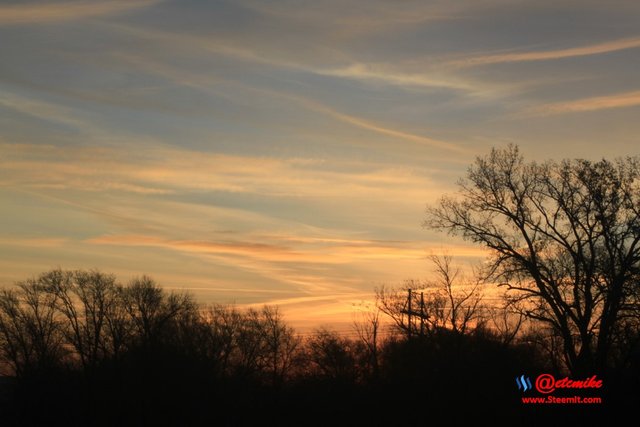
(284, 152)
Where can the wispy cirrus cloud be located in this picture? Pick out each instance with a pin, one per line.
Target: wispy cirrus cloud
(317, 269)
(42, 110)
(322, 253)
(545, 55)
(377, 15)
(382, 74)
(224, 248)
(208, 84)
(34, 242)
(607, 102)
(375, 127)
(344, 66)
(49, 12)
(164, 170)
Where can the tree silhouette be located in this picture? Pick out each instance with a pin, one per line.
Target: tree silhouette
(138, 355)
(447, 300)
(455, 302)
(367, 326)
(280, 344)
(86, 299)
(30, 327)
(564, 238)
(152, 311)
(333, 357)
(222, 326)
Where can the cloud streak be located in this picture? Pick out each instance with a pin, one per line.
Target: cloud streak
(317, 269)
(53, 12)
(42, 110)
(374, 73)
(247, 249)
(323, 254)
(32, 242)
(376, 128)
(208, 84)
(383, 73)
(167, 170)
(594, 49)
(620, 100)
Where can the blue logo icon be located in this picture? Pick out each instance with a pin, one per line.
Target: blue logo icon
(524, 383)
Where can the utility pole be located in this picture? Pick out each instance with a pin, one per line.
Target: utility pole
(421, 314)
(409, 310)
(411, 314)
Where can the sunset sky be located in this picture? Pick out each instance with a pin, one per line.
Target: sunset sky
(284, 152)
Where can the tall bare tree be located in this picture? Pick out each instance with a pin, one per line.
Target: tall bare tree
(30, 327)
(507, 321)
(446, 300)
(222, 327)
(454, 302)
(119, 325)
(331, 356)
(564, 237)
(366, 323)
(85, 299)
(280, 344)
(152, 310)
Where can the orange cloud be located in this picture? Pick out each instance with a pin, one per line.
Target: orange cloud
(330, 254)
(596, 49)
(376, 73)
(164, 170)
(310, 312)
(620, 100)
(65, 11)
(317, 270)
(46, 242)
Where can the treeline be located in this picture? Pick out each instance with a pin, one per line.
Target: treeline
(82, 349)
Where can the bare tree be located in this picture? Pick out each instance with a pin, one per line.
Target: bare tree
(118, 323)
(280, 343)
(30, 328)
(249, 360)
(564, 237)
(367, 326)
(507, 321)
(85, 299)
(332, 356)
(448, 300)
(223, 326)
(17, 348)
(455, 301)
(250, 343)
(152, 310)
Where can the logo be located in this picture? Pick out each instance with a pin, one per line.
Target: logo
(547, 383)
(524, 383)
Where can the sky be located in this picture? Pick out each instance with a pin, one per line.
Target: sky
(284, 152)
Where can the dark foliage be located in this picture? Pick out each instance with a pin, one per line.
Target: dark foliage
(161, 360)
